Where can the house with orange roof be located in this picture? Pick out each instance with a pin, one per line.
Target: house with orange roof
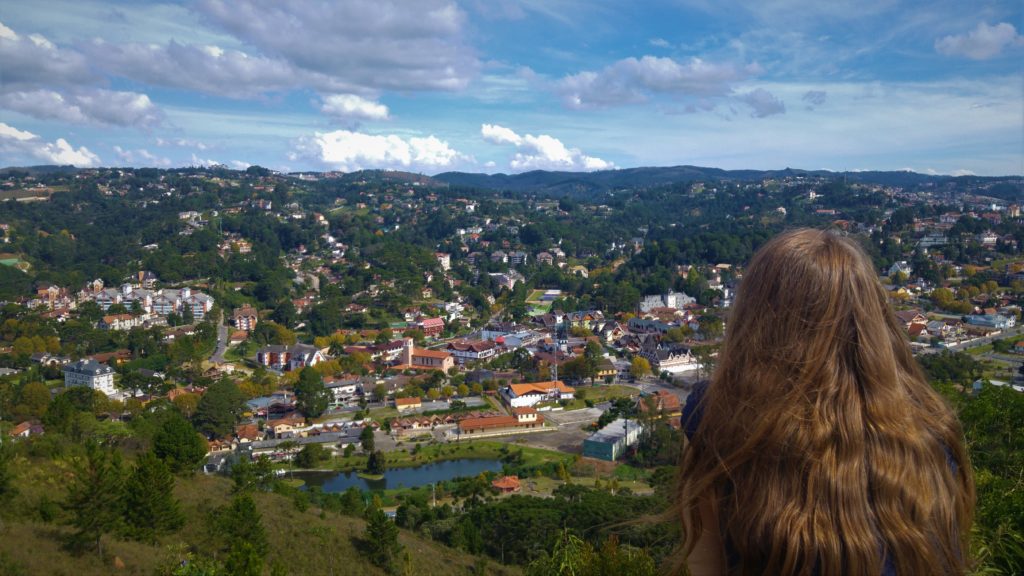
(530, 393)
(407, 404)
(506, 484)
(522, 419)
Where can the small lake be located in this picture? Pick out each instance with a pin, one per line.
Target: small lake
(401, 477)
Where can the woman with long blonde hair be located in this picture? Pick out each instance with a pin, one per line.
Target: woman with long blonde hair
(818, 447)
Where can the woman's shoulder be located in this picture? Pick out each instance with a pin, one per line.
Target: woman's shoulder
(693, 409)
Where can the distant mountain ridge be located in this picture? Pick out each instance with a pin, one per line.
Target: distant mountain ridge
(609, 180)
(559, 183)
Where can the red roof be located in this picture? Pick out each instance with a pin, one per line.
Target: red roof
(506, 483)
(408, 402)
(488, 422)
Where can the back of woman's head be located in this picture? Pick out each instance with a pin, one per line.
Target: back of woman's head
(824, 446)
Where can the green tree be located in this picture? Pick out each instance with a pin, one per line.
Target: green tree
(239, 526)
(219, 409)
(376, 463)
(95, 497)
(366, 438)
(311, 455)
(381, 538)
(179, 445)
(150, 507)
(35, 398)
(7, 456)
(311, 398)
(248, 475)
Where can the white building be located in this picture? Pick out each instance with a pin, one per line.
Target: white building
(528, 394)
(91, 374)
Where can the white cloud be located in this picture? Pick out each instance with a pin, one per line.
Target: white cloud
(632, 80)
(348, 151)
(204, 162)
(91, 105)
(12, 133)
(239, 164)
(32, 61)
(363, 44)
(982, 43)
(500, 135)
(353, 107)
(23, 144)
(762, 103)
(182, 143)
(141, 157)
(541, 152)
(203, 68)
(50, 83)
(659, 42)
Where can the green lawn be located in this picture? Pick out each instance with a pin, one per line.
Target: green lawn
(601, 393)
(403, 457)
(535, 296)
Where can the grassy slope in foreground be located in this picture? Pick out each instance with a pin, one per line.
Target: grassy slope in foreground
(303, 542)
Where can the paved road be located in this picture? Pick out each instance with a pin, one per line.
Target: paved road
(1007, 333)
(222, 342)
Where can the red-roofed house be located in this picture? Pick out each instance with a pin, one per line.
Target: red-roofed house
(496, 425)
(431, 326)
(406, 404)
(506, 484)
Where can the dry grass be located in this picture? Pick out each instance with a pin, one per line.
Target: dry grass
(302, 542)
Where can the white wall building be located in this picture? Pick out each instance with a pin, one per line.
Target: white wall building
(91, 374)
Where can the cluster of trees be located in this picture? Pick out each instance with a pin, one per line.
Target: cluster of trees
(104, 498)
(992, 419)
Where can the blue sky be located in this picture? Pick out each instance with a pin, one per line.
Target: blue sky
(515, 85)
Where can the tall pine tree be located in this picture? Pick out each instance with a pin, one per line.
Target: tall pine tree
(150, 507)
(95, 497)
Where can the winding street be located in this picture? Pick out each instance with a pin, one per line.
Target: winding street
(222, 342)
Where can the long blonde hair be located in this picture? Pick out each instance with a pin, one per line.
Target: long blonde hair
(821, 446)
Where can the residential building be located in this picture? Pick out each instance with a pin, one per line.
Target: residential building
(431, 327)
(90, 374)
(294, 357)
(408, 404)
(245, 318)
(671, 359)
(120, 322)
(529, 394)
(662, 403)
(471, 351)
(343, 390)
(991, 320)
(522, 419)
(517, 257)
(676, 300)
